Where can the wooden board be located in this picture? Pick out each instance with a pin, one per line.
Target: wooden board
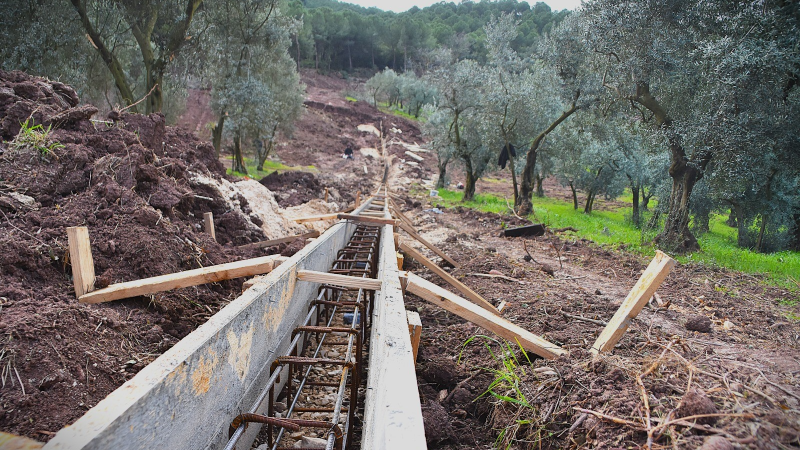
(208, 224)
(270, 243)
(80, 256)
(316, 218)
(471, 295)
(642, 291)
(367, 219)
(477, 315)
(410, 230)
(414, 331)
(528, 230)
(211, 274)
(339, 280)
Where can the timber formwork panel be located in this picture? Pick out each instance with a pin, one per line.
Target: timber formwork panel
(187, 397)
(392, 411)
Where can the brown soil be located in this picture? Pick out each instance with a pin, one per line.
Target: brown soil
(145, 213)
(127, 178)
(750, 369)
(293, 188)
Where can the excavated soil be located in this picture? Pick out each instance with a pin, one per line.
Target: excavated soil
(141, 188)
(745, 369)
(715, 342)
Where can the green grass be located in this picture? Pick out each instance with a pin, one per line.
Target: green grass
(613, 228)
(385, 108)
(269, 167)
(350, 99)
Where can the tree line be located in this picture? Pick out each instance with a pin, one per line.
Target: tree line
(692, 102)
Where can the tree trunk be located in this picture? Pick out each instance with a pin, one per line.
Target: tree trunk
(539, 188)
(238, 160)
(646, 199)
(440, 183)
(587, 209)
(701, 221)
(796, 240)
(513, 177)
(742, 239)
(731, 221)
(216, 133)
(297, 44)
(574, 195)
(524, 203)
(469, 184)
(636, 217)
(676, 235)
(762, 229)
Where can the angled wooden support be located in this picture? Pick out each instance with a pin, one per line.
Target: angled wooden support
(339, 280)
(642, 291)
(410, 230)
(211, 274)
(367, 219)
(283, 240)
(414, 331)
(477, 315)
(208, 224)
(471, 295)
(316, 218)
(80, 256)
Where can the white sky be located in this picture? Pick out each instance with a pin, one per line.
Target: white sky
(403, 5)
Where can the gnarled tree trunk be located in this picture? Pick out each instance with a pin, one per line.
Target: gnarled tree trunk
(469, 184)
(238, 160)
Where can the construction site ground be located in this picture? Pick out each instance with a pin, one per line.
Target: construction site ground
(720, 344)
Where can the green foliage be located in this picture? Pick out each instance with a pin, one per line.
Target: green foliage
(36, 137)
(611, 227)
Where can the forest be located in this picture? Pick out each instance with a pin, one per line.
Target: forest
(689, 105)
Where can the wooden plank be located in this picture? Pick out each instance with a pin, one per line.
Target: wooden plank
(339, 280)
(211, 274)
(367, 219)
(208, 224)
(400, 259)
(410, 230)
(398, 214)
(252, 281)
(316, 218)
(358, 199)
(536, 229)
(414, 155)
(80, 256)
(471, 295)
(642, 291)
(414, 331)
(270, 243)
(477, 315)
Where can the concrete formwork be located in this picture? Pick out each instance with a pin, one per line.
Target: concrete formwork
(187, 397)
(392, 412)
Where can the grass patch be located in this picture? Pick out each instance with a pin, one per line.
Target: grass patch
(350, 99)
(269, 167)
(385, 108)
(613, 228)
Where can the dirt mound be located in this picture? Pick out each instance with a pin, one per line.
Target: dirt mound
(293, 188)
(141, 188)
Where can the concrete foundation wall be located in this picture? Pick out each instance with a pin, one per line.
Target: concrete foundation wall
(187, 397)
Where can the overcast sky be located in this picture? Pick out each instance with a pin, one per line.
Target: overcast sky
(403, 5)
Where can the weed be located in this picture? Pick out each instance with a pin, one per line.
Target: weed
(269, 167)
(509, 390)
(36, 137)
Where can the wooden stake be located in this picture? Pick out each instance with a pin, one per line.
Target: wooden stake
(400, 260)
(650, 280)
(358, 199)
(208, 221)
(211, 274)
(410, 230)
(473, 296)
(339, 280)
(326, 195)
(473, 313)
(367, 219)
(315, 218)
(271, 242)
(80, 255)
(415, 330)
